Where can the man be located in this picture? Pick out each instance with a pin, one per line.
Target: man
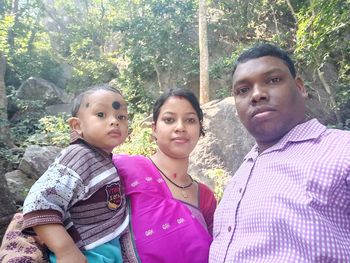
(290, 199)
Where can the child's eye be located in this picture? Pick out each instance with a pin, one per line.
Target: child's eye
(122, 117)
(100, 114)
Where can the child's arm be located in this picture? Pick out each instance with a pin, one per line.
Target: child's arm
(60, 243)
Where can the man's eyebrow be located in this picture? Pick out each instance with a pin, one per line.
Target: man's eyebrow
(246, 79)
(274, 70)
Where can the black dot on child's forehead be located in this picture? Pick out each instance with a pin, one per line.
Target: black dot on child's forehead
(116, 105)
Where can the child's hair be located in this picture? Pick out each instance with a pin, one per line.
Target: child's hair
(179, 92)
(79, 99)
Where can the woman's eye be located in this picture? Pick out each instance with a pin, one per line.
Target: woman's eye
(168, 120)
(191, 120)
(100, 114)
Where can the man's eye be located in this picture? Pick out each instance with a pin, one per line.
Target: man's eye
(100, 114)
(274, 80)
(241, 90)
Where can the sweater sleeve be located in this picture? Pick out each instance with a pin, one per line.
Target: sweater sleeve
(51, 195)
(207, 204)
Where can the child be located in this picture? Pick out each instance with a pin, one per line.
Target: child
(77, 207)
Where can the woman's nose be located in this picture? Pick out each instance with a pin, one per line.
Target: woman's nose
(180, 126)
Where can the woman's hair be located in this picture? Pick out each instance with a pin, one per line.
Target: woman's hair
(183, 93)
(79, 99)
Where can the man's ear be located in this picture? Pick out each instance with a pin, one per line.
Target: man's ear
(74, 124)
(301, 87)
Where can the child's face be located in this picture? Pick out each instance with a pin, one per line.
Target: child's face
(102, 120)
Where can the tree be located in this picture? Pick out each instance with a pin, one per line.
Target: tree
(203, 53)
(4, 128)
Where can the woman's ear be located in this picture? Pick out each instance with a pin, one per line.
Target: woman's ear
(74, 124)
(154, 131)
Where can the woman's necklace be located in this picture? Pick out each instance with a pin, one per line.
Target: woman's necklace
(183, 192)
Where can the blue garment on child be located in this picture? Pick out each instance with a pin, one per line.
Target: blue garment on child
(109, 252)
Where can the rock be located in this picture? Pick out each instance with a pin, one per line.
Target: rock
(19, 185)
(225, 143)
(37, 159)
(8, 205)
(40, 89)
(54, 110)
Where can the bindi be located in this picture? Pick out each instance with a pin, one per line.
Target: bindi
(116, 105)
(87, 104)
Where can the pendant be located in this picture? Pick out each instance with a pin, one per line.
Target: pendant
(184, 194)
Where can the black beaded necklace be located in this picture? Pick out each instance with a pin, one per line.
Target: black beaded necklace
(184, 194)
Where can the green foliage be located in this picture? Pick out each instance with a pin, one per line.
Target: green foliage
(52, 130)
(322, 35)
(28, 121)
(139, 141)
(221, 179)
(138, 99)
(156, 38)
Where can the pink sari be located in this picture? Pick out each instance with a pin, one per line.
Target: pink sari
(164, 229)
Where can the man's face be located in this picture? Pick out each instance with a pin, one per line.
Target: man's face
(269, 101)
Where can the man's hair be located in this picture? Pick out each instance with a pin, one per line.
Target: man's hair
(265, 49)
(80, 98)
(183, 93)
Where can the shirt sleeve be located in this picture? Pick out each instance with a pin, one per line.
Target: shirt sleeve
(51, 195)
(207, 204)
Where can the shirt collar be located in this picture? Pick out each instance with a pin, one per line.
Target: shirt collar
(309, 130)
(75, 138)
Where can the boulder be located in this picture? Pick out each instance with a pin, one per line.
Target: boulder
(37, 159)
(19, 184)
(43, 90)
(54, 110)
(225, 143)
(8, 205)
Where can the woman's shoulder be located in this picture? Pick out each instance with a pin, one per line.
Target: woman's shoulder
(128, 158)
(206, 197)
(205, 190)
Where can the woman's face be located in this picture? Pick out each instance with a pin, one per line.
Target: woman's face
(177, 129)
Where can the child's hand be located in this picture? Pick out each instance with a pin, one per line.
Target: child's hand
(71, 255)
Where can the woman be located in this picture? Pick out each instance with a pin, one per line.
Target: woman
(171, 214)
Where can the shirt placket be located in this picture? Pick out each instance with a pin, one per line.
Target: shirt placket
(233, 203)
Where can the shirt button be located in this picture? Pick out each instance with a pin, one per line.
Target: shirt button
(229, 229)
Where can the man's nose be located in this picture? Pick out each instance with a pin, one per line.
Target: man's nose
(259, 93)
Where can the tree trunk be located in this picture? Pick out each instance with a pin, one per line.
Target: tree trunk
(203, 53)
(4, 129)
(11, 33)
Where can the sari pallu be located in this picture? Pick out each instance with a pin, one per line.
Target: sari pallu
(164, 229)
